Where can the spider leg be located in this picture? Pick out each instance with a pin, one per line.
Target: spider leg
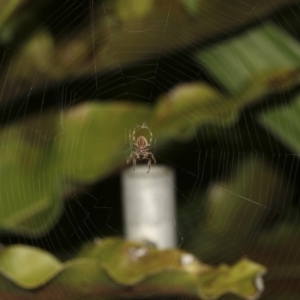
(134, 163)
(130, 158)
(130, 139)
(149, 164)
(150, 136)
(152, 157)
(137, 127)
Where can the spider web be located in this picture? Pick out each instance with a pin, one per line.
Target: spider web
(236, 187)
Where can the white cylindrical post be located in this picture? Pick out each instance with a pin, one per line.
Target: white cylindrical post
(149, 205)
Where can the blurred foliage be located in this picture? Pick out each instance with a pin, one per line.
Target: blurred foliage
(44, 58)
(283, 121)
(82, 144)
(251, 211)
(18, 18)
(192, 6)
(51, 154)
(259, 52)
(241, 207)
(112, 266)
(7, 10)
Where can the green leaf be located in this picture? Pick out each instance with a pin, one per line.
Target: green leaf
(240, 208)
(241, 204)
(112, 265)
(188, 106)
(7, 8)
(28, 267)
(92, 139)
(192, 6)
(29, 192)
(283, 122)
(134, 10)
(13, 15)
(263, 50)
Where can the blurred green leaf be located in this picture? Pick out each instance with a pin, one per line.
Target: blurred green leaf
(7, 8)
(244, 201)
(19, 18)
(186, 107)
(28, 267)
(127, 264)
(258, 52)
(29, 191)
(134, 10)
(192, 6)
(241, 207)
(283, 122)
(92, 139)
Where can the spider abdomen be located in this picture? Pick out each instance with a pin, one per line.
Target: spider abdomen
(141, 142)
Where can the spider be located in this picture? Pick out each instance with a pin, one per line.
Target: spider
(140, 147)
